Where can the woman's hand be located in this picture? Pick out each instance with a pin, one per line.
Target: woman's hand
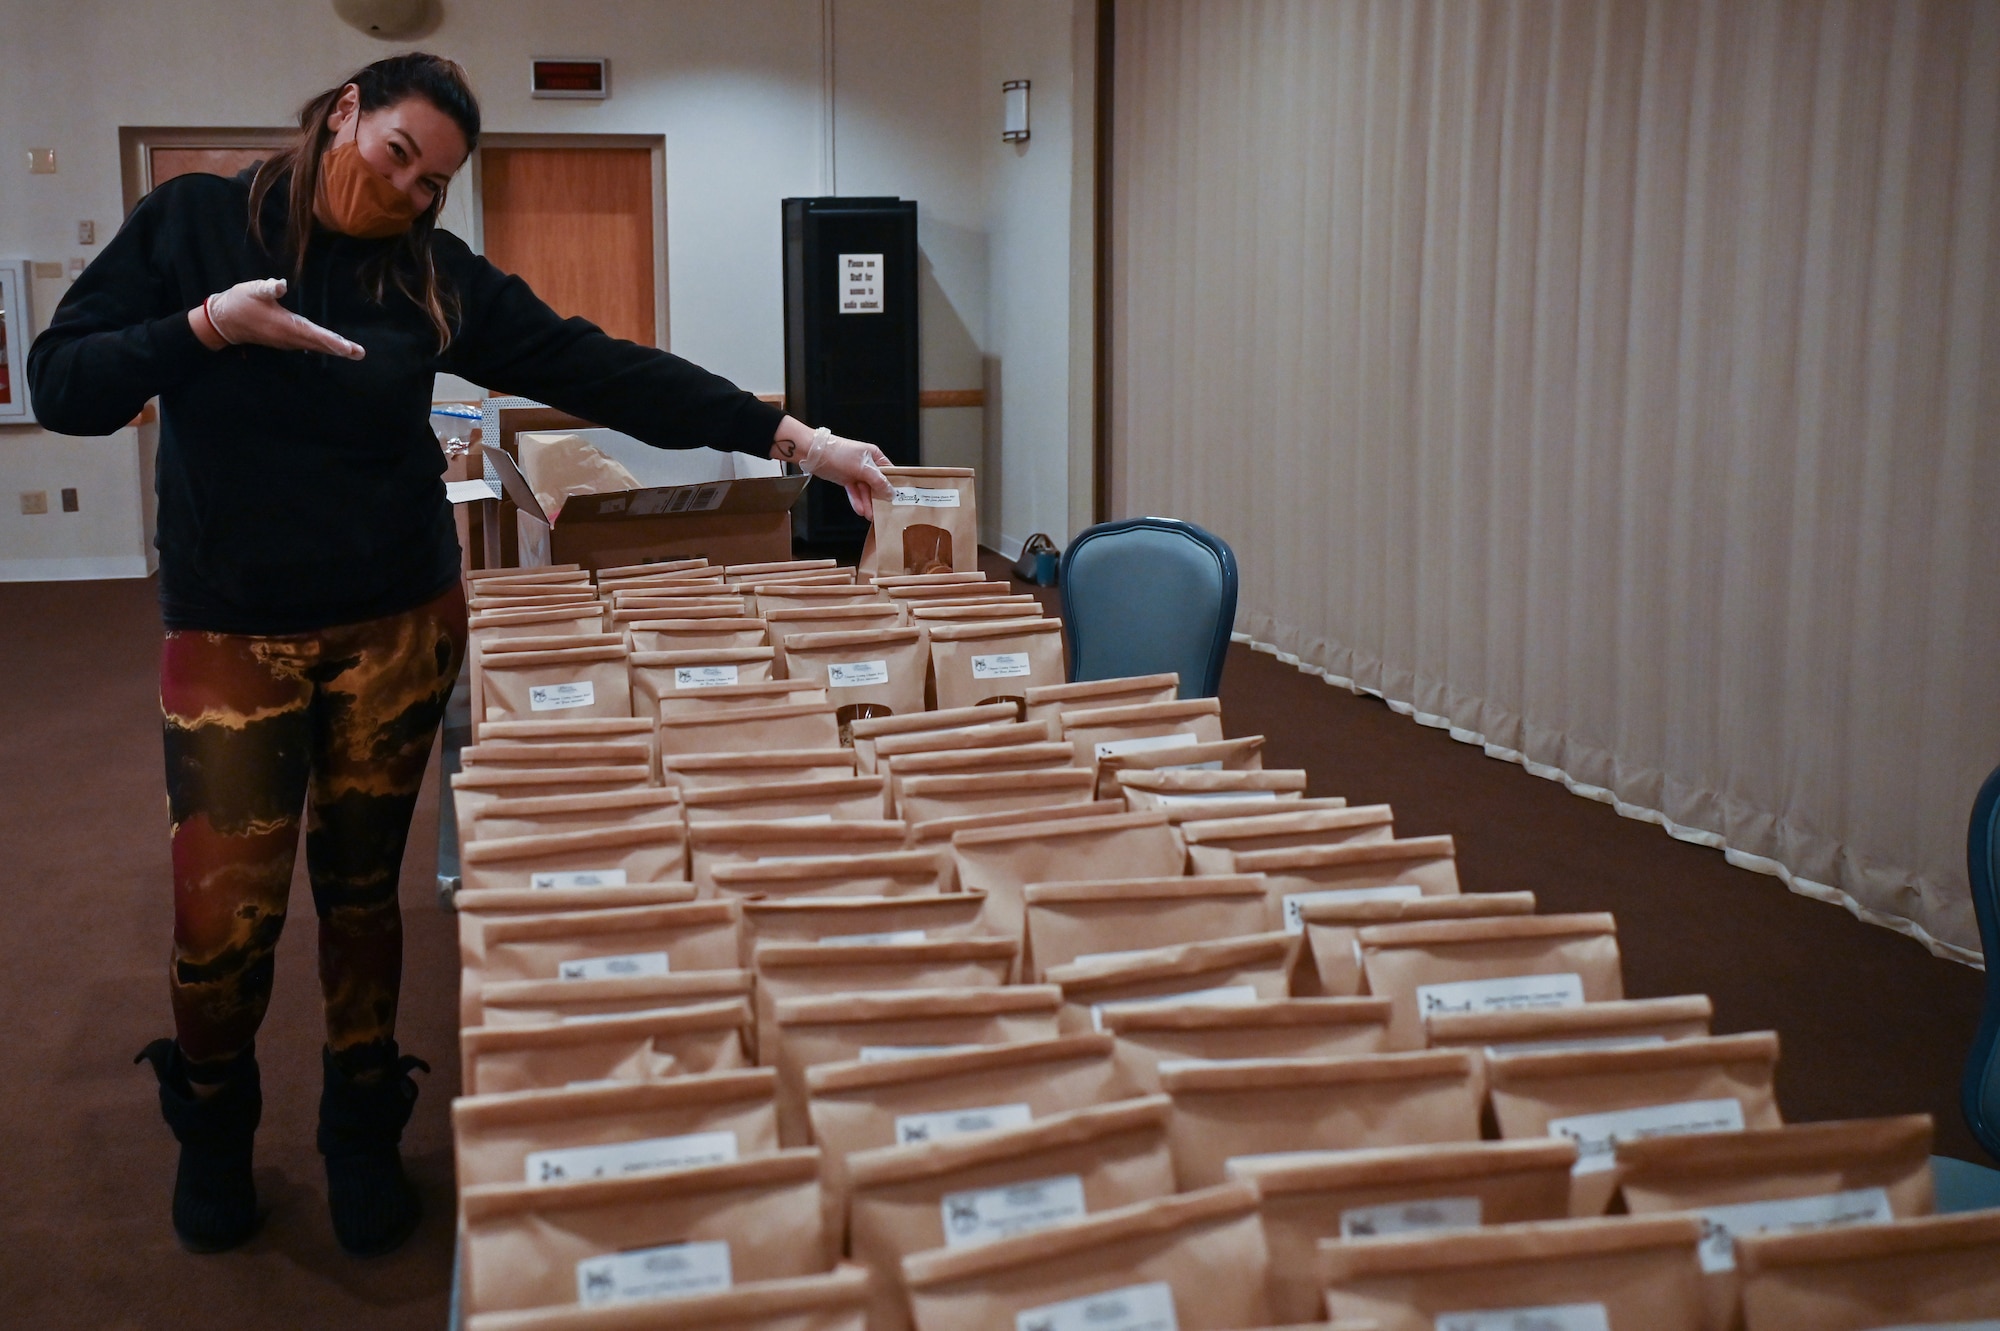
(248, 314)
(854, 466)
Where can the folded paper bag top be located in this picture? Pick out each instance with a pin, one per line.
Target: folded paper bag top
(1552, 1275)
(1195, 1261)
(1334, 917)
(749, 729)
(566, 730)
(866, 730)
(538, 1002)
(837, 1301)
(922, 799)
(701, 770)
(1047, 702)
(1229, 970)
(1395, 1190)
(1071, 920)
(1242, 754)
(518, 753)
(1214, 843)
(653, 635)
(836, 799)
(1152, 1034)
(1922, 1274)
(764, 693)
(1605, 1025)
(634, 852)
(710, 844)
(832, 920)
(1277, 1106)
(897, 873)
(790, 970)
(646, 1046)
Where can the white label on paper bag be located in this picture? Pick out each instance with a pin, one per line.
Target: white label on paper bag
(555, 697)
(1295, 920)
(1214, 766)
(672, 1270)
(1576, 1046)
(890, 1053)
(1367, 1222)
(614, 968)
(1556, 1317)
(1001, 665)
(1217, 797)
(703, 677)
(911, 496)
(640, 1157)
(873, 940)
(856, 674)
(578, 878)
(1134, 1308)
(1516, 993)
(1721, 1226)
(1111, 748)
(982, 1215)
(1597, 1135)
(860, 284)
(1228, 993)
(943, 1123)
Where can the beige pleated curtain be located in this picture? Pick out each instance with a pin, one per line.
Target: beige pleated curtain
(1615, 383)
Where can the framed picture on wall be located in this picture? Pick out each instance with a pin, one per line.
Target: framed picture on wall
(16, 327)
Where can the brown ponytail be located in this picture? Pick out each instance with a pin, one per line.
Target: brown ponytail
(408, 264)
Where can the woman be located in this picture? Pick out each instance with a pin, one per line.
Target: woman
(290, 322)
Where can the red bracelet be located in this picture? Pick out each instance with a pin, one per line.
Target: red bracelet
(213, 326)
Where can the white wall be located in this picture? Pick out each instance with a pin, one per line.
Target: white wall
(736, 89)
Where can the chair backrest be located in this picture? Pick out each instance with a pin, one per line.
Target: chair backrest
(1148, 595)
(1980, 1092)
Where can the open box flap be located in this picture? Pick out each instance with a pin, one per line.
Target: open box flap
(752, 494)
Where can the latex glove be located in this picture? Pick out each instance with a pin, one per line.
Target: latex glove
(249, 314)
(854, 466)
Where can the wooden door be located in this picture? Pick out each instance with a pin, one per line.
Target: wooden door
(168, 162)
(577, 225)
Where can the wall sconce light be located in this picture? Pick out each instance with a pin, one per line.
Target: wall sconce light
(1014, 95)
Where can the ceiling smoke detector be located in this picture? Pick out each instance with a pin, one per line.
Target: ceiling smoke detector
(386, 19)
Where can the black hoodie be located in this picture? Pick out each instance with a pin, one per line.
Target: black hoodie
(300, 490)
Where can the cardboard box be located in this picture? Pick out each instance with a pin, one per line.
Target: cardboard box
(726, 507)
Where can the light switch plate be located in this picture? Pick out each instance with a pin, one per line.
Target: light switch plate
(86, 232)
(42, 161)
(76, 267)
(34, 501)
(47, 269)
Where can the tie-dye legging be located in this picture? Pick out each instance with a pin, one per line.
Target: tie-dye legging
(337, 723)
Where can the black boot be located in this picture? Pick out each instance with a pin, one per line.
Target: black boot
(215, 1199)
(367, 1100)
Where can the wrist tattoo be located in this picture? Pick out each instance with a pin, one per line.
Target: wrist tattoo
(787, 450)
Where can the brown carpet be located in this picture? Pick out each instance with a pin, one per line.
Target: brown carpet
(1871, 1023)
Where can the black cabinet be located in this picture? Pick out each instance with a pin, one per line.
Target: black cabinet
(851, 337)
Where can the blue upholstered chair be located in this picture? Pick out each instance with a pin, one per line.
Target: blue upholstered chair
(1962, 1186)
(1148, 595)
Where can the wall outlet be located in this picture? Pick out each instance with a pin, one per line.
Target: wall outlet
(34, 501)
(86, 232)
(69, 499)
(76, 267)
(41, 161)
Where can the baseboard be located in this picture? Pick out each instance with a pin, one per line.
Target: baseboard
(74, 569)
(1010, 547)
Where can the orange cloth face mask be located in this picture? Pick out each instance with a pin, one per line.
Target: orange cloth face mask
(357, 202)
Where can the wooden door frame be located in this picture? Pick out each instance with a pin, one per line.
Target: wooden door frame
(136, 144)
(656, 144)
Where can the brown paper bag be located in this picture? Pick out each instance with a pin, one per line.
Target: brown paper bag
(710, 844)
(649, 1236)
(929, 1097)
(1108, 732)
(1250, 969)
(646, 1046)
(1272, 791)
(1243, 754)
(1067, 921)
(567, 1136)
(608, 578)
(475, 788)
(1495, 963)
(580, 681)
(538, 1002)
(610, 943)
(707, 771)
(1048, 702)
(968, 598)
(1150, 1034)
(968, 1191)
(1396, 1190)
(582, 753)
(825, 598)
(1194, 1262)
(767, 693)
(585, 729)
(1549, 1275)
(749, 730)
(1810, 1176)
(936, 834)
(887, 580)
(927, 798)
(923, 918)
(773, 570)
(880, 1025)
(786, 624)
(1002, 861)
(1281, 1106)
(701, 602)
(1005, 734)
(719, 633)
(576, 813)
(1621, 1023)
(867, 731)
(557, 616)
(929, 525)
(995, 662)
(1928, 1272)
(643, 852)
(802, 970)
(896, 873)
(1333, 922)
(658, 675)
(875, 672)
(977, 612)
(1213, 844)
(841, 799)
(973, 762)
(834, 1302)
(475, 910)
(1600, 1097)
